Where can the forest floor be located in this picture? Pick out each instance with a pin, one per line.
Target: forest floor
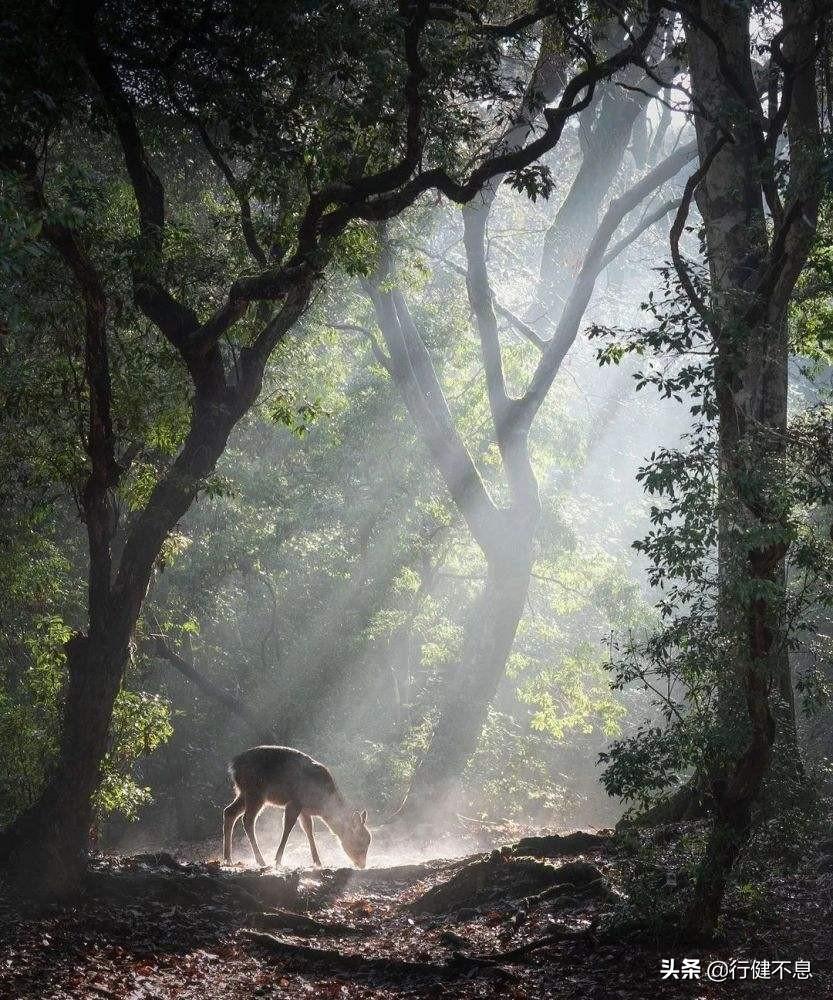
(521, 921)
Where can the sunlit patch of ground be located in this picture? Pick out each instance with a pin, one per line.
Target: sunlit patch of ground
(393, 844)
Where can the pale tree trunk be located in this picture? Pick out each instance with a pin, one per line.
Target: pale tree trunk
(463, 706)
(606, 128)
(473, 684)
(505, 541)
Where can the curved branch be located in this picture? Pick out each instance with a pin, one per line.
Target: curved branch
(576, 304)
(376, 348)
(413, 372)
(157, 646)
(645, 223)
(576, 96)
(173, 319)
(237, 189)
(677, 230)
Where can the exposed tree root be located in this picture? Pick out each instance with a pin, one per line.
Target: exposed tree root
(298, 923)
(159, 859)
(586, 880)
(392, 880)
(502, 875)
(192, 885)
(336, 962)
(689, 801)
(399, 874)
(575, 878)
(555, 936)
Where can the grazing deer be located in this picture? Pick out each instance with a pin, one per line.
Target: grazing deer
(281, 776)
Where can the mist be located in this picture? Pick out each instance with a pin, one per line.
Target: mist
(330, 585)
(415, 469)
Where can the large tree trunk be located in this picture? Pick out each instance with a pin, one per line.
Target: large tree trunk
(471, 688)
(752, 398)
(731, 202)
(748, 319)
(46, 848)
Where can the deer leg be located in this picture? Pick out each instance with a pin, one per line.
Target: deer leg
(231, 814)
(308, 824)
(253, 808)
(290, 814)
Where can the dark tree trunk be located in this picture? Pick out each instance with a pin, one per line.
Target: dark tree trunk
(46, 848)
(747, 316)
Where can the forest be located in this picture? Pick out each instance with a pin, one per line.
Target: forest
(416, 416)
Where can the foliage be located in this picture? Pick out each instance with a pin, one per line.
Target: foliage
(29, 717)
(322, 578)
(515, 775)
(682, 662)
(333, 576)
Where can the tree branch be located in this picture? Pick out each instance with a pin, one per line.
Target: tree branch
(237, 189)
(99, 441)
(176, 321)
(512, 318)
(645, 223)
(376, 348)
(576, 304)
(677, 230)
(576, 96)
(414, 375)
(157, 646)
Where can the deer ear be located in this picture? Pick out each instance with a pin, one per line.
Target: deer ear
(363, 815)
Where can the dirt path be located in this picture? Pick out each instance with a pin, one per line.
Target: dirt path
(519, 923)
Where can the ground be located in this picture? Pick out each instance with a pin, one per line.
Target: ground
(520, 921)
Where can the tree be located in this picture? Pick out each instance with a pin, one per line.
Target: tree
(238, 91)
(506, 534)
(752, 274)
(735, 495)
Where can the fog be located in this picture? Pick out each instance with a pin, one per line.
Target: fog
(329, 581)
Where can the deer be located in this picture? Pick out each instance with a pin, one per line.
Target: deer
(282, 776)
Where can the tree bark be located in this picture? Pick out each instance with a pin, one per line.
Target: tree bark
(751, 280)
(46, 848)
(471, 689)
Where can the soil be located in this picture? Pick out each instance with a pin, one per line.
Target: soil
(532, 920)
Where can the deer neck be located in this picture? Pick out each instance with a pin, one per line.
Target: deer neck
(338, 815)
